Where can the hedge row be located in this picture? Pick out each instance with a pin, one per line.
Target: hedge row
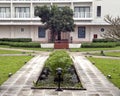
(103, 40)
(98, 45)
(16, 39)
(21, 44)
(118, 43)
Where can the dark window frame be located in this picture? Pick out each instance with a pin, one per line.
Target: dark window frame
(41, 32)
(81, 32)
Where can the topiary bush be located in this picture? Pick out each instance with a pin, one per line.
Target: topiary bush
(59, 59)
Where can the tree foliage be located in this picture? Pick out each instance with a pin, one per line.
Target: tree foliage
(114, 30)
(57, 19)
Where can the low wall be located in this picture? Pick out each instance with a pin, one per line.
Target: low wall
(51, 45)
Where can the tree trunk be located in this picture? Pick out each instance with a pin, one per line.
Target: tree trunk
(52, 36)
(59, 35)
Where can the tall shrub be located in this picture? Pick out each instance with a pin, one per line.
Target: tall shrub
(59, 59)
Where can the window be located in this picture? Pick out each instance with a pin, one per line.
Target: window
(22, 12)
(22, 29)
(81, 32)
(41, 32)
(95, 36)
(102, 29)
(98, 11)
(4, 12)
(82, 12)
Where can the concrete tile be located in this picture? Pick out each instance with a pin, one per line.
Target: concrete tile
(92, 95)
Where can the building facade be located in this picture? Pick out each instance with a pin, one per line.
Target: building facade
(17, 19)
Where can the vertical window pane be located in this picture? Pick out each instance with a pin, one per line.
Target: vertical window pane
(87, 12)
(76, 9)
(81, 32)
(98, 11)
(41, 32)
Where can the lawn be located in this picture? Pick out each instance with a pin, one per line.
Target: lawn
(113, 54)
(10, 64)
(92, 49)
(108, 67)
(35, 49)
(9, 52)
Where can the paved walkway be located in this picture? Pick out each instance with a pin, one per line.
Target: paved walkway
(96, 84)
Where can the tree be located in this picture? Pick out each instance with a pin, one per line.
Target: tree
(57, 19)
(114, 31)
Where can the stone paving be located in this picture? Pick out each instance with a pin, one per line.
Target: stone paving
(92, 79)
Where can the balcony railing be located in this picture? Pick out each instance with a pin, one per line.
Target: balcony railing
(77, 15)
(4, 15)
(22, 15)
(82, 15)
(5, 0)
(50, 0)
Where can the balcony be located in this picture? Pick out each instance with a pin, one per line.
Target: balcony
(22, 15)
(5, 0)
(82, 15)
(4, 15)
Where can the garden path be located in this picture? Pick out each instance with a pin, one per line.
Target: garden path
(92, 79)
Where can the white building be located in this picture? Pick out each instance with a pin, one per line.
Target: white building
(17, 18)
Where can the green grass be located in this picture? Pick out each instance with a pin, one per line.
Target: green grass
(92, 49)
(112, 54)
(108, 67)
(35, 49)
(10, 64)
(38, 49)
(9, 52)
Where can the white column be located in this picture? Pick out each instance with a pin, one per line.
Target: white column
(11, 9)
(12, 32)
(32, 32)
(72, 6)
(31, 10)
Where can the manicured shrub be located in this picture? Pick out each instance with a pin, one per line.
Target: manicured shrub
(21, 44)
(16, 39)
(25, 44)
(103, 40)
(118, 43)
(98, 45)
(4, 43)
(59, 59)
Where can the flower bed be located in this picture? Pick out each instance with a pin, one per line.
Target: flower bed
(48, 78)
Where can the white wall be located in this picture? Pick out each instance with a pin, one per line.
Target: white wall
(5, 32)
(108, 7)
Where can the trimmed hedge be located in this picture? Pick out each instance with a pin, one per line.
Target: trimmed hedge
(59, 58)
(16, 39)
(29, 44)
(98, 45)
(118, 43)
(103, 40)
(22, 44)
